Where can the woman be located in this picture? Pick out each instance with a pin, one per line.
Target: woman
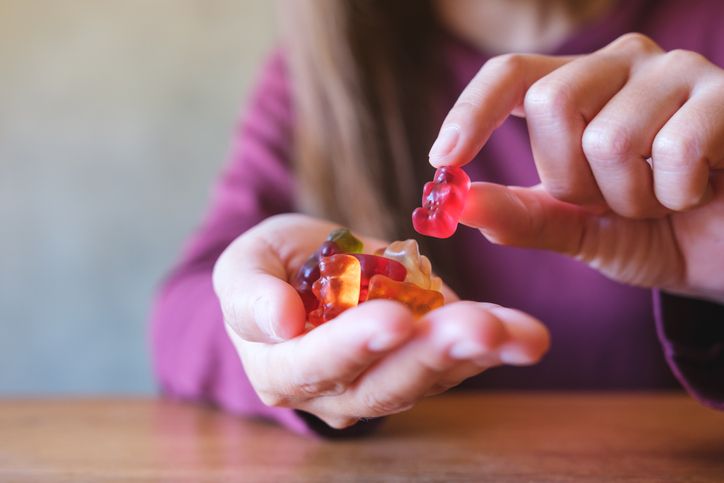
(626, 142)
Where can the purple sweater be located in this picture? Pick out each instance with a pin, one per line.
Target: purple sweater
(604, 335)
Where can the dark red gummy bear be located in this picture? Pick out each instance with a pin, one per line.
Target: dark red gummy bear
(309, 273)
(443, 200)
(375, 265)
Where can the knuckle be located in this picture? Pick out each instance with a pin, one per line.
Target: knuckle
(637, 42)
(566, 191)
(674, 152)
(507, 64)
(548, 98)
(322, 388)
(608, 145)
(390, 404)
(685, 60)
(679, 199)
(680, 171)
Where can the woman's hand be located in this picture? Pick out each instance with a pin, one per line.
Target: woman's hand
(627, 142)
(372, 360)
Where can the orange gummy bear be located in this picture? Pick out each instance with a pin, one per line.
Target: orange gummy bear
(418, 300)
(337, 288)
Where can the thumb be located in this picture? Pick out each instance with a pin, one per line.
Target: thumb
(257, 302)
(526, 217)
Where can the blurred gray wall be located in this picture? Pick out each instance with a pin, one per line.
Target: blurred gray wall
(115, 117)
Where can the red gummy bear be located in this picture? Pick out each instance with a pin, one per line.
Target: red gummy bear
(443, 200)
(309, 273)
(372, 265)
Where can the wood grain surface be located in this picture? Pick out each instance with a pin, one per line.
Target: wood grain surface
(459, 437)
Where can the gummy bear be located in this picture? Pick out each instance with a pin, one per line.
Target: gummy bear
(338, 241)
(346, 241)
(309, 273)
(337, 288)
(419, 269)
(443, 200)
(418, 300)
(375, 265)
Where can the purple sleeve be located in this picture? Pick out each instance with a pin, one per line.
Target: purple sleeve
(192, 355)
(692, 334)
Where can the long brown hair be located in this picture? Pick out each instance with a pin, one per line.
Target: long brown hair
(362, 74)
(365, 74)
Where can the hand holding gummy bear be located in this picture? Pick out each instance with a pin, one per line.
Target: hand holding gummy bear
(345, 279)
(373, 359)
(631, 176)
(338, 241)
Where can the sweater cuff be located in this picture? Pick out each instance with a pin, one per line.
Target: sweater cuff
(691, 332)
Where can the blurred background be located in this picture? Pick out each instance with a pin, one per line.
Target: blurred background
(115, 117)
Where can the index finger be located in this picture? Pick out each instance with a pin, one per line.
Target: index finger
(495, 92)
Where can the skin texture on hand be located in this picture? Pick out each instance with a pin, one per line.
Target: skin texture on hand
(629, 145)
(373, 360)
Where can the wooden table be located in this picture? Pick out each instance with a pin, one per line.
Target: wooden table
(459, 437)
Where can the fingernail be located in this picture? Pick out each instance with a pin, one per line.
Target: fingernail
(263, 318)
(514, 356)
(466, 349)
(445, 143)
(383, 342)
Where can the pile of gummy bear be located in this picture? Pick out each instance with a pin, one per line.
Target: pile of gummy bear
(339, 275)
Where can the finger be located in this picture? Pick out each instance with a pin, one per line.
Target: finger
(250, 277)
(326, 360)
(405, 376)
(448, 337)
(528, 338)
(531, 218)
(687, 148)
(559, 106)
(619, 140)
(525, 217)
(257, 302)
(496, 91)
(528, 341)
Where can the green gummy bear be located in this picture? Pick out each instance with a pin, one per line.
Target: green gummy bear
(346, 241)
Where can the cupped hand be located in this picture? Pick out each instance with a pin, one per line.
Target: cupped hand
(372, 360)
(629, 145)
